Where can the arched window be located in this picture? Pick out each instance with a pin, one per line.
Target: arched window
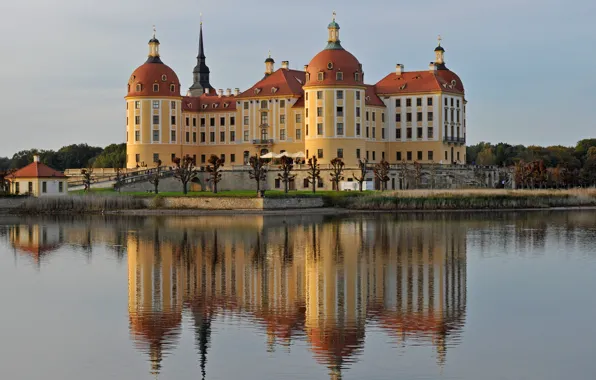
(139, 87)
(330, 66)
(164, 77)
(357, 77)
(172, 88)
(155, 87)
(321, 76)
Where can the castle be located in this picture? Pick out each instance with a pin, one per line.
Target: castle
(327, 110)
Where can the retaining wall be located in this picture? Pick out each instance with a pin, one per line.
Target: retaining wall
(204, 203)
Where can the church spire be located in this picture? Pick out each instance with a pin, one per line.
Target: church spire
(201, 72)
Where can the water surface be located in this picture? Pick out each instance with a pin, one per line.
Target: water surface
(413, 296)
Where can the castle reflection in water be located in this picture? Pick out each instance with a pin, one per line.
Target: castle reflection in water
(322, 282)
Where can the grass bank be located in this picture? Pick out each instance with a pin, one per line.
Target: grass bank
(79, 204)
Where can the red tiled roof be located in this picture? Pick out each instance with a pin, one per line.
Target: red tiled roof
(420, 81)
(149, 73)
(37, 170)
(341, 61)
(282, 82)
(372, 99)
(209, 103)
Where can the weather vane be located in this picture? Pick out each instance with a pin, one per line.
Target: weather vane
(440, 39)
(154, 30)
(201, 17)
(334, 14)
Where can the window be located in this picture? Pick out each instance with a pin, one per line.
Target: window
(194, 137)
(445, 156)
(340, 129)
(408, 102)
(222, 121)
(305, 183)
(306, 110)
(383, 156)
(173, 105)
(212, 122)
(457, 103)
(173, 157)
(298, 134)
(319, 111)
(357, 77)
(446, 113)
(203, 158)
(232, 120)
(398, 156)
(212, 137)
(340, 111)
(277, 183)
(319, 153)
(282, 119)
(340, 94)
(155, 87)
(429, 116)
(245, 121)
(398, 117)
(429, 101)
(264, 104)
(282, 134)
(419, 155)
(320, 182)
(339, 76)
(156, 104)
(457, 116)
(60, 187)
(194, 121)
(187, 137)
(203, 122)
(187, 121)
(383, 133)
(458, 156)
(367, 132)
(232, 136)
(430, 155)
(397, 133)
(366, 115)
(357, 129)
(173, 120)
(202, 137)
(409, 117)
(408, 133)
(30, 188)
(418, 102)
(245, 105)
(155, 136)
(374, 155)
(263, 118)
(321, 76)
(374, 114)
(419, 133)
(223, 157)
(367, 155)
(307, 130)
(298, 118)
(137, 157)
(446, 104)
(172, 136)
(44, 187)
(374, 134)
(357, 95)
(397, 103)
(245, 136)
(319, 94)
(382, 118)
(451, 102)
(409, 156)
(319, 128)
(340, 153)
(358, 153)
(282, 103)
(222, 136)
(17, 189)
(137, 104)
(137, 136)
(172, 88)
(306, 96)
(357, 111)
(418, 116)
(137, 120)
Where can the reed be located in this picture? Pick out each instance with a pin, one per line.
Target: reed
(79, 204)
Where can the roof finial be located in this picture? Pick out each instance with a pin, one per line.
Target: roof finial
(154, 30)
(201, 18)
(334, 14)
(440, 39)
(269, 53)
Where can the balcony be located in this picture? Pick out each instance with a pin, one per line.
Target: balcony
(454, 140)
(263, 142)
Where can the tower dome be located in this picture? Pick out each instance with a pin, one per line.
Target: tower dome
(334, 65)
(153, 78)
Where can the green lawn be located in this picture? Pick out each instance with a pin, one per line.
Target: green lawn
(234, 193)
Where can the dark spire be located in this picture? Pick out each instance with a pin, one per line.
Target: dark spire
(201, 72)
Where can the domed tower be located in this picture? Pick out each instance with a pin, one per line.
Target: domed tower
(153, 112)
(334, 95)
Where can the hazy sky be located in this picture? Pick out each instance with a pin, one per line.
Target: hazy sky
(527, 65)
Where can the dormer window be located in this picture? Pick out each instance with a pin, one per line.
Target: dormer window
(226, 105)
(139, 87)
(321, 76)
(273, 90)
(155, 87)
(357, 77)
(164, 78)
(189, 105)
(172, 88)
(368, 99)
(403, 86)
(215, 105)
(257, 90)
(264, 104)
(330, 66)
(339, 75)
(205, 106)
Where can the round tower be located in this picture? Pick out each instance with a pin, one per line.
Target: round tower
(334, 95)
(153, 112)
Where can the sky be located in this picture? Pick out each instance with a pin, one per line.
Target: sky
(527, 65)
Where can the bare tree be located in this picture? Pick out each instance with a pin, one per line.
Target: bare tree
(314, 173)
(214, 169)
(185, 171)
(433, 174)
(155, 177)
(337, 169)
(287, 164)
(381, 171)
(118, 179)
(257, 171)
(404, 171)
(361, 177)
(87, 178)
(417, 174)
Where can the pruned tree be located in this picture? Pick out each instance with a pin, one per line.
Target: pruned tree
(337, 169)
(404, 172)
(433, 174)
(257, 171)
(363, 169)
(87, 178)
(381, 172)
(118, 179)
(156, 176)
(185, 171)
(314, 173)
(286, 167)
(214, 165)
(417, 174)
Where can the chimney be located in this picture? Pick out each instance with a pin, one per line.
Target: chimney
(228, 92)
(207, 90)
(220, 92)
(236, 91)
(399, 69)
(432, 67)
(285, 65)
(36, 158)
(305, 67)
